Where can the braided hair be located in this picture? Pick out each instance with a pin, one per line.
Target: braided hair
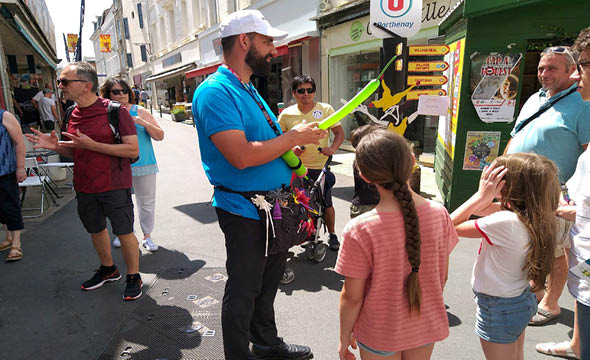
(385, 158)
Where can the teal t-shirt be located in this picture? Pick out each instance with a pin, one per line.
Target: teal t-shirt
(222, 103)
(558, 133)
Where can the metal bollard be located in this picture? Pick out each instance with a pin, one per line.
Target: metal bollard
(160, 110)
(151, 109)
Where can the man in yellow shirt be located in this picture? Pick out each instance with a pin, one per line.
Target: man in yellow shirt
(314, 156)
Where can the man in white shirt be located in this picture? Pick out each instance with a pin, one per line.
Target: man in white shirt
(47, 110)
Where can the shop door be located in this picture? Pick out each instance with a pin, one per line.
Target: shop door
(269, 87)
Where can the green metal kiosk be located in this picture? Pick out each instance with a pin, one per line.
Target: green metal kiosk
(494, 51)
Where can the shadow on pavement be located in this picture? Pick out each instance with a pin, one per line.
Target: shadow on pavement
(154, 263)
(344, 193)
(313, 277)
(203, 212)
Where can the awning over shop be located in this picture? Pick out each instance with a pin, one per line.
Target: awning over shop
(169, 73)
(202, 71)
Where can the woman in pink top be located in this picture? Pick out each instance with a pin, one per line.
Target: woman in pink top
(390, 305)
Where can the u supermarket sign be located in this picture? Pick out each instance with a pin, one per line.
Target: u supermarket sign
(402, 17)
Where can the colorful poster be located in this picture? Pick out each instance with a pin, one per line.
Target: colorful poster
(494, 85)
(72, 42)
(447, 126)
(105, 43)
(481, 148)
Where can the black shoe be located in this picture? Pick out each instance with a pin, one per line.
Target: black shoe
(333, 242)
(133, 288)
(101, 276)
(282, 351)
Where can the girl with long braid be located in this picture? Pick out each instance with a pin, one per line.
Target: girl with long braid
(395, 261)
(518, 245)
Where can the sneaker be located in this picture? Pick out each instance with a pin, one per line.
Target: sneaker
(133, 288)
(149, 244)
(101, 276)
(333, 242)
(282, 351)
(117, 242)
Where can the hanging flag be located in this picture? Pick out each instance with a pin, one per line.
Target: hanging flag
(105, 43)
(72, 42)
(67, 48)
(78, 53)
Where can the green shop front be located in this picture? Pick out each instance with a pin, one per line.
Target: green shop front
(494, 48)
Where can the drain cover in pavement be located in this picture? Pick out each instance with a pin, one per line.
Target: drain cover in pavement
(178, 318)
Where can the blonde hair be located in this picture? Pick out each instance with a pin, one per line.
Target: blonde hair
(532, 192)
(385, 158)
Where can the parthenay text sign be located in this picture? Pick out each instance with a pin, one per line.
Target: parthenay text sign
(402, 17)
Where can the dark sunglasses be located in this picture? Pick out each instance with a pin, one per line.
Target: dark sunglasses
(583, 64)
(65, 82)
(117, 91)
(303, 90)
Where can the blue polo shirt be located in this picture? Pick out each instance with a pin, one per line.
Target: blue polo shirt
(222, 103)
(558, 133)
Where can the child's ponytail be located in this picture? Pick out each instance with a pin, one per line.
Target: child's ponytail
(404, 197)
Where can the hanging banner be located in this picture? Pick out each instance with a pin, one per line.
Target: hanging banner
(402, 17)
(105, 43)
(494, 86)
(72, 42)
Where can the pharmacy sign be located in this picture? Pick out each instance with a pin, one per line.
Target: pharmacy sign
(402, 17)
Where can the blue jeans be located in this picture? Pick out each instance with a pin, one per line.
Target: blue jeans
(584, 326)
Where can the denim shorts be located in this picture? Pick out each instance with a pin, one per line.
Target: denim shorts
(375, 351)
(502, 320)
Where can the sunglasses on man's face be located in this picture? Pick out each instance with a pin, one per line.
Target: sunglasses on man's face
(65, 82)
(303, 90)
(119, 91)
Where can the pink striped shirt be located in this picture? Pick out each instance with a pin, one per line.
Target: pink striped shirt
(373, 248)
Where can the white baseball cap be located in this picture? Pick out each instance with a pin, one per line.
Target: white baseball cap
(247, 21)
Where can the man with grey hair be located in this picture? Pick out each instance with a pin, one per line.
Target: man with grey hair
(554, 122)
(102, 173)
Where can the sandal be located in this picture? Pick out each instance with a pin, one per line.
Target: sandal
(17, 257)
(542, 316)
(565, 350)
(5, 245)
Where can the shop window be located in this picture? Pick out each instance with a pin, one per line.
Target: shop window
(143, 51)
(126, 27)
(349, 73)
(140, 15)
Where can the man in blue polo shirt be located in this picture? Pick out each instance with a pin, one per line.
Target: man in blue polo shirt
(561, 133)
(241, 144)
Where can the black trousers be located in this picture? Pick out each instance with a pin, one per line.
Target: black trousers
(10, 211)
(253, 280)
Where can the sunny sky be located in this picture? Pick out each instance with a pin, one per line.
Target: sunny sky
(66, 18)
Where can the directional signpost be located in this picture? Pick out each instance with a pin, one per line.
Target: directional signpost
(424, 80)
(427, 66)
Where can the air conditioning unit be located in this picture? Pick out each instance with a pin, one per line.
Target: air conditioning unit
(324, 5)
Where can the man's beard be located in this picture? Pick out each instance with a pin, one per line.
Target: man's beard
(258, 63)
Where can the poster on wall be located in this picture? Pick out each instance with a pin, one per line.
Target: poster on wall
(481, 148)
(105, 43)
(447, 126)
(72, 42)
(494, 85)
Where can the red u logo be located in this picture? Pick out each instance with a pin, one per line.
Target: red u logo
(396, 5)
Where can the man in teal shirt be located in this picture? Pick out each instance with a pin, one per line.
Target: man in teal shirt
(561, 133)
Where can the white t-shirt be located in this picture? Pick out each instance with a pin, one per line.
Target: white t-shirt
(45, 108)
(498, 269)
(40, 96)
(580, 250)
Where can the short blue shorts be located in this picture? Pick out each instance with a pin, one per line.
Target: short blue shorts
(502, 320)
(375, 351)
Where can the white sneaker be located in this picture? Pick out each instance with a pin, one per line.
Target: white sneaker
(149, 244)
(117, 242)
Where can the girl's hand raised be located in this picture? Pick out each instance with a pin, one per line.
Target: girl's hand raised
(491, 182)
(344, 352)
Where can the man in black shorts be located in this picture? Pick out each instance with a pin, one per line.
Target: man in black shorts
(102, 173)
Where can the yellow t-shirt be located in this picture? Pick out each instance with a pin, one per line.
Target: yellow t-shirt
(291, 116)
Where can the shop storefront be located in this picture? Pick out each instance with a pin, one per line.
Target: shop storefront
(492, 72)
(27, 55)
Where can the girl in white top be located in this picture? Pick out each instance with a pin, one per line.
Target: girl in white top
(518, 245)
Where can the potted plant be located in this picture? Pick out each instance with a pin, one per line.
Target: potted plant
(178, 113)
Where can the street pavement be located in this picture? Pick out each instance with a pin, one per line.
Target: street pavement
(45, 315)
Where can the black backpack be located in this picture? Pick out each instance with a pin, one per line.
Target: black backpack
(113, 116)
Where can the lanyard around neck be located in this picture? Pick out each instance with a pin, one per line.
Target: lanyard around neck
(248, 89)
